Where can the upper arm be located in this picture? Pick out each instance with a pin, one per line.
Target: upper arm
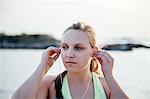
(105, 86)
(44, 87)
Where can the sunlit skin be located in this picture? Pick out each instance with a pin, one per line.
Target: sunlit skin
(75, 51)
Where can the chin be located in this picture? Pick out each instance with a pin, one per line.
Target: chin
(71, 69)
(74, 69)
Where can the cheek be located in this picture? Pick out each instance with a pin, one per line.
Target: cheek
(79, 56)
(84, 58)
(63, 56)
(85, 54)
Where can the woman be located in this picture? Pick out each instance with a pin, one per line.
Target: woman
(82, 78)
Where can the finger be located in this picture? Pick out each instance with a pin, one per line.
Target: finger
(58, 50)
(108, 56)
(97, 56)
(102, 59)
(56, 56)
(108, 61)
(99, 60)
(100, 55)
(50, 61)
(53, 52)
(52, 48)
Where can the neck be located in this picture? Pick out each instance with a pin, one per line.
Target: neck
(79, 77)
(79, 83)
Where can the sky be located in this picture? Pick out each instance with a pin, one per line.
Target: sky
(109, 18)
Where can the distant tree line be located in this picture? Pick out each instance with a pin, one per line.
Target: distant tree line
(36, 41)
(27, 41)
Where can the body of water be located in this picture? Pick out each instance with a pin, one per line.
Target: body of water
(131, 70)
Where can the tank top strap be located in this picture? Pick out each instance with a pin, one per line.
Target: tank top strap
(65, 88)
(98, 88)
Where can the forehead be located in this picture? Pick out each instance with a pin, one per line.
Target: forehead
(75, 37)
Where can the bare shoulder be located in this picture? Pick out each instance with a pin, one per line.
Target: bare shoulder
(52, 91)
(48, 80)
(105, 85)
(45, 86)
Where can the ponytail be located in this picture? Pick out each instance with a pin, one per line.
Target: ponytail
(94, 66)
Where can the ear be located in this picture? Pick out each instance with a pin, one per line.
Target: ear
(95, 50)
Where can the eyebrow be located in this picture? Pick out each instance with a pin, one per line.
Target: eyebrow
(63, 44)
(78, 44)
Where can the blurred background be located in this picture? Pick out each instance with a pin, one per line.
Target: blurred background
(27, 27)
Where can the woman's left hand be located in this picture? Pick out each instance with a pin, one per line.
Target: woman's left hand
(106, 61)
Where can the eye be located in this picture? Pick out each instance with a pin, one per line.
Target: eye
(78, 48)
(64, 47)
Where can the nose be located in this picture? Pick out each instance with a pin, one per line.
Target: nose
(70, 53)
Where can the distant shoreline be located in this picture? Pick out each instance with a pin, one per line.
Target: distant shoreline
(36, 41)
(25, 41)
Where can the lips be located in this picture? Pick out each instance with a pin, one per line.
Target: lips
(70, 62)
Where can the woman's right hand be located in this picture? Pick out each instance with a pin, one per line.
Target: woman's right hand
(30, 88)
(49, 56)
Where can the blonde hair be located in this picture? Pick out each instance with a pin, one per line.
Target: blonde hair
(94, 65)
